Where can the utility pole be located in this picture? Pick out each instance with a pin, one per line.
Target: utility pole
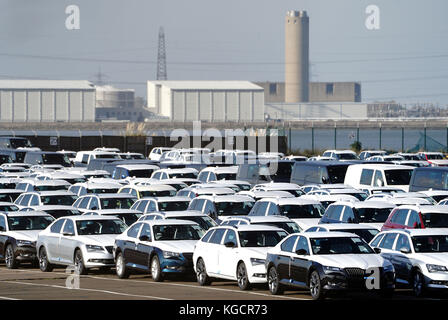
(161, 57)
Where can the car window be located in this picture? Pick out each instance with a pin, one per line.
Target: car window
(151, 206)
(84, 202)
(366, 177)
(69, 227)
(209, 207)
(146, 231)
(133, 231)
(348, 215)
(402, 243)
(302, 243)
(34, 200)
(273, 210)
(377, 240)
(2, 224)
(400, 216)
(288, 244)
(230, 237)
(262, 207)
(378, 179)
(56, 227)
(335, 213)
(388, 241)
(217, 236)
(94, 204)
(414, 220)
(141, 206)
(207, 236)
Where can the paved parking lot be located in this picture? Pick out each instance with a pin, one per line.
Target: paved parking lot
(31, 283)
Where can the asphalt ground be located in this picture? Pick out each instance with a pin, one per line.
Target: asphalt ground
(29, 283)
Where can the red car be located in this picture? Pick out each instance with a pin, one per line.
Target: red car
(417, 217)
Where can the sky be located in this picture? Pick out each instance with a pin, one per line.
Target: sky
(406, 60)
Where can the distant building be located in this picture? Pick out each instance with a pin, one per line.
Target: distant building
(47, 101)
(214, 101)
(110, 97)
(274, 92)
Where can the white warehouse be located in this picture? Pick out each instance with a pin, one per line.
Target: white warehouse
(47, 101)
(214, 101)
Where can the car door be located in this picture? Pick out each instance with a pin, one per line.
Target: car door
(401, 261)
(3, 236)
(284, 258)
(144, 247)
(300, 264)
(67, 243)
(227, 256)
(51, 241)
(211, 254)
(130, 245)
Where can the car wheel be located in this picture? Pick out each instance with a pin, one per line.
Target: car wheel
(10, 259)
(418, 284)
(316, 286)
(44, 265)
(120, 267)
(201, 273)
(273, 282)
(242, 277)
(79, 263)
(156, 272)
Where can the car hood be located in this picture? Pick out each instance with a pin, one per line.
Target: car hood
(30, 235)
(306, 223)
(362, 261)
(176, 245)
(99, 239)
(440, 258)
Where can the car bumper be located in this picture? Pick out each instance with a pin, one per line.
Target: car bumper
(98, 259)
(436, 280)
(25, 253)
(177, 265)
(340, 281)
(257, 273)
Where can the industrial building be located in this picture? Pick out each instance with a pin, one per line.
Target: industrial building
(214, 101)
(47, 101)
(111, 97)
(274, 92)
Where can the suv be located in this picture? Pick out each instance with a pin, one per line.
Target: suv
(155, 190)
(435, 178)
(18, 235)
(318, 172)
(417, 217)
(254, 173)
(34, 199)
(203, 220)
(160, 204)
(46, 158)
(217, 173)
(218, 207)
(274, 221)
(93, 202)
(133, 170)
(341, 154)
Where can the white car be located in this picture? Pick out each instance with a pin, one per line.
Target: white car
(235, 253)
(275, 221)
(203, 220)
(156, 153)
(156, 204)
(420, 257)
(83, 241)
(362, 230)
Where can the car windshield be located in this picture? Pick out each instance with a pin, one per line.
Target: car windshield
(290, 227)
(116, 203)
(434, 157)
(7, 185)
(435, 220)
(337, 173)
(74, 180)
(62, 200)
(63, 213)
(146, 173)
(244, 187)
(304, 211)
(366, 234)
(432, 243)
(107, 156)
(339, 245)
(261, 238)
(233, 208)
(100, 190)
(160, 193)
(204, 222)
(20, 143)
(5, 159)
(183, 175)
(128, 218)
(398, 177)
(369, 215)
(173, 205)
(177, 232)
(8, 208)
(226, 176)
(29, 222)
(50, 188)
(55, 158)
(94, 227)
(347, 156)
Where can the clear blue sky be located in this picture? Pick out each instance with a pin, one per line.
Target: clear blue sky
(406, 60)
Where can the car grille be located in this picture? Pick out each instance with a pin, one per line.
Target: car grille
(355, 273)
(109, 248)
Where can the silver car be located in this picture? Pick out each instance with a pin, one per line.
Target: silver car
(83, 241)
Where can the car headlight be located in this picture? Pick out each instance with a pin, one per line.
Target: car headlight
(256, 261)
(21, 243)
(328, 269)
(170, 254)
(93, 248)
(436, 268)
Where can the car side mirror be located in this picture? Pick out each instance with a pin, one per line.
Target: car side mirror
(405, 250)
(301, 252)
(377, 250)
(230, 244)
(144, 238)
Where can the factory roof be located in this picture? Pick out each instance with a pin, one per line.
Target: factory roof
(208, 85)
(46, 84)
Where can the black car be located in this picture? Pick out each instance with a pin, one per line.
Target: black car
(18, 235)
(324, 262)
(319, 172)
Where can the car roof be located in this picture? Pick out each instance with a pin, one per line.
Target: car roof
(228, 198)
(110, 195)
(138, 166)
(167, 199)
(90, 217)
(328, 234)
(251, 227)
(292, 201)
(153, 187)
(168, 222)
(382, 166)
(189, 213)
(53, 207)
(25, 214)
(420, 232)
(115, 211)
(345, 226)
(252, 219)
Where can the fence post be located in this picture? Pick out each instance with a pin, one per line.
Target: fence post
(402, 139)
(290, 138)
(424, 134)
(335, 132)
(357, 133)
(312, 137)
(381, 128)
